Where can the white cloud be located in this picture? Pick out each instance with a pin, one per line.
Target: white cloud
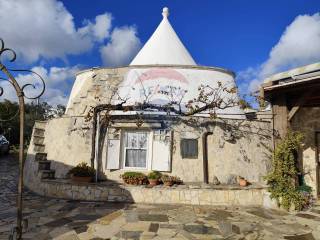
(299, 45)
(123, 46)
(246, 77)
(46, 29)
(58, 83)
(100, 29)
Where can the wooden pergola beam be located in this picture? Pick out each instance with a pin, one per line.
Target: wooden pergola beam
(293, 111)
(298, 104)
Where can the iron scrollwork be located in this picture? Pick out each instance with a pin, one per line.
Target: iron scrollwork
(13, 57)
(20, 92)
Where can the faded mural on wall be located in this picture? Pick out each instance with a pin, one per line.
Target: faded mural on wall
(161, 86)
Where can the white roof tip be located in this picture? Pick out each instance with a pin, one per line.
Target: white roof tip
(165, 12)
(163, 47)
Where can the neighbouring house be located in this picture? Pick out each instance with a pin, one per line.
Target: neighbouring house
(295, 99)
(162, 112)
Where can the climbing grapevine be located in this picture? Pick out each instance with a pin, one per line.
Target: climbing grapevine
(282, 179)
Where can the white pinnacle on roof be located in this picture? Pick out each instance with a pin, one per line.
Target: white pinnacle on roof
(164, 47)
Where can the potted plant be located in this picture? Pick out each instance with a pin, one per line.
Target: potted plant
(154, 177)
(134, 178)
(167, 180)
(82, 173)
(243, 182)
(176, 180)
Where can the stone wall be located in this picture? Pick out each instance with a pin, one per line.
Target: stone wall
(247, 155)
(93, 87)
(68, 142)
(254, 196)
(307, 121)
(59, 133)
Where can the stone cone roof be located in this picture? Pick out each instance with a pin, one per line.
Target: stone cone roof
(164, 47)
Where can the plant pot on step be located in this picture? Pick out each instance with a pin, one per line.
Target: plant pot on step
(82, 173)
(243, 182)
(81, 179)
(153, 178)
(153, 182)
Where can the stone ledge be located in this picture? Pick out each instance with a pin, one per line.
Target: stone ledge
(233, 196)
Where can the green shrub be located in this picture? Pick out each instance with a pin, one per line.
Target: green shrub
(82, 170)
(154, 175)
(132, 175)
(282, 179)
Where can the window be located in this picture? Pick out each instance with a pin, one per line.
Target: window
(189, 148)
(135, 149)
(161, 135)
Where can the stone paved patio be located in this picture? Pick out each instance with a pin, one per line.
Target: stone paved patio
(62, 219)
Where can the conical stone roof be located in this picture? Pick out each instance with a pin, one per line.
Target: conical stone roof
(164, 47)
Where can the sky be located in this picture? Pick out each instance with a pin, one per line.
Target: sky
(255, 39)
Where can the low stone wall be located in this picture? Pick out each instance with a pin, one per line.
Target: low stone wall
(257, 196)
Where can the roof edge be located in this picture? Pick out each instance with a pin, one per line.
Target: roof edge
(304, 69)
(219, 69)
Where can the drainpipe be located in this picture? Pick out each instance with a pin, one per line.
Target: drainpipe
(96, 155)
(205, 156)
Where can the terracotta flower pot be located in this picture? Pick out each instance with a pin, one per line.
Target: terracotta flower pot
(243, 182)
(153, 182)
(81, 179)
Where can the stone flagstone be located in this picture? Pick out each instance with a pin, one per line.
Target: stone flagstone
(75, 220)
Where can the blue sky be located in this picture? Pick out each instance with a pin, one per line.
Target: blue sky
(58, 38)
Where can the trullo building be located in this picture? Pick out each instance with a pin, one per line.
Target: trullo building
(165, 82)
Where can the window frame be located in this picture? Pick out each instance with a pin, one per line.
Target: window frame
(124, 150)
(183, 155)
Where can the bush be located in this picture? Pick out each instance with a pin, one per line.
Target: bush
(134, 178)
(282, 179)
(82, 170)
(154, 175)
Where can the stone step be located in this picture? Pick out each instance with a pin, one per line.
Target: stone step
(39, 132)
(39, 147)
(38, 139)
(44, 165)
(47, 174)
(41, 157)
(38, 136)
(40, 124)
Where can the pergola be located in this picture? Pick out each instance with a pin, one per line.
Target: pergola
(287, 95)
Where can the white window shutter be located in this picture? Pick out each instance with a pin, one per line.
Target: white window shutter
(161, 154)
(113, 154)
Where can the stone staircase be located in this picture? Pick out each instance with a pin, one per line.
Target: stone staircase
(44, 165)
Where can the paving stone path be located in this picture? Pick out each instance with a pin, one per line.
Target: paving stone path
(74, 220)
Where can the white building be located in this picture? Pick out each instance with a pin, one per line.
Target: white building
(195, 149)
